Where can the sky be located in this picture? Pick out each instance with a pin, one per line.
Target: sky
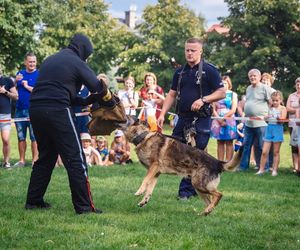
(209, 9)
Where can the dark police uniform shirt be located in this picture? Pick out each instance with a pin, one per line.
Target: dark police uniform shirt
(190, 91)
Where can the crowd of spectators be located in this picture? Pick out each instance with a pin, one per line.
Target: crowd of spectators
(261, 137)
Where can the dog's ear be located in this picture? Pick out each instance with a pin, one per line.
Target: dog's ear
(131, 120)
(136, 121)
(145, 123)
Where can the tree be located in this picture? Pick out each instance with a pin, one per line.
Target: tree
(46, 26)
(64, 18)
(264, 34)
(163, 32)
(18, 21)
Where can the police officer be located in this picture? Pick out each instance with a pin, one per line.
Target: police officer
(191, 95)
(53, 122)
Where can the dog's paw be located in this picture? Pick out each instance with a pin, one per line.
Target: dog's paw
(138, 193)
(142, 203)
(207, 211)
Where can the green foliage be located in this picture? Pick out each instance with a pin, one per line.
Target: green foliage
(46, 26)
(62, 19)
(264, 34)
(165, 28)
(18, 21)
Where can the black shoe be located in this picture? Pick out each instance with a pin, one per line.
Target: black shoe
(129, 161)
(44, 205)
(183, 198)
(96, 211)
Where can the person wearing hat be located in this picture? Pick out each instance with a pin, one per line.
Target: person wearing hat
(60, 78)
(120, 149)
(92, 156)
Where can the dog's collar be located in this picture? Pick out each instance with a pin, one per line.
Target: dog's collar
(139, 138)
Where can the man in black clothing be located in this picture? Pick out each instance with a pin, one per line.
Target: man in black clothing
(52, 118)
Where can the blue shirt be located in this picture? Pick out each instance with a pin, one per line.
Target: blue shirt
(104, 152)
(24, 94)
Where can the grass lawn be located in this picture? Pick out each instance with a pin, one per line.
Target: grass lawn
(256, 212)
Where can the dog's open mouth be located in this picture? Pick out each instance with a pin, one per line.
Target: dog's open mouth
(129, 121)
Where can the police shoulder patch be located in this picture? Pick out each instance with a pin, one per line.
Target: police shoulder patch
(212, 65)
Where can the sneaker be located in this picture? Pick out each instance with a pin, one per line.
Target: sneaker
(259, 173)
(44, 205)
(6, 165)
(19, 164)
(274, 173)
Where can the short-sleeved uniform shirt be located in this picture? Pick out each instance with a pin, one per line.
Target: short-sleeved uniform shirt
(24, 94)
(257, 104)
(5, 107)
(190, 90)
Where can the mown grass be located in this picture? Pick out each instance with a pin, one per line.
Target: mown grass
(256, 212)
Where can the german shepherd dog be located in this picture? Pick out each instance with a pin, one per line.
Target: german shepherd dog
(161, 154)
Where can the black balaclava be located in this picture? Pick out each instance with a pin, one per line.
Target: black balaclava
(81, 45)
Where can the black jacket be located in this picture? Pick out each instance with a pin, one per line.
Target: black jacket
(62, 74)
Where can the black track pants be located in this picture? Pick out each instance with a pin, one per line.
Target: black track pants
(56, 134)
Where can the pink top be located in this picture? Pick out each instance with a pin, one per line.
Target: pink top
(293, 102)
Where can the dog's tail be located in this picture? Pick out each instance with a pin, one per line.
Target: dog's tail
(234, 162)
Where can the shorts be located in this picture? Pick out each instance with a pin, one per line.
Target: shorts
(293, 140)
(5, 125)
(22, 126)
(274, 133)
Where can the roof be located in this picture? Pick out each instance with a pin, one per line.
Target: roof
(218, 28)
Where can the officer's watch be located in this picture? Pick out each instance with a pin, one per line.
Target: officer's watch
(204, 100)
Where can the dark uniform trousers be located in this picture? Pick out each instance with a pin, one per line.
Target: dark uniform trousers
(56, 134)
(185, 188)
